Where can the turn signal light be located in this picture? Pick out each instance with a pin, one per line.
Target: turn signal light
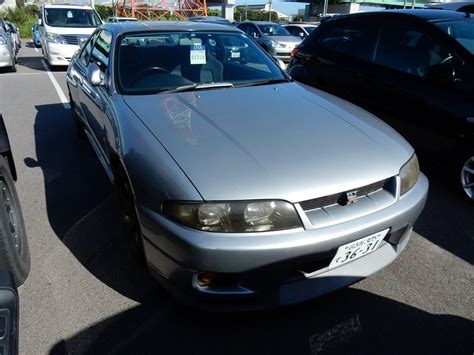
(206, 278)
(294, 52)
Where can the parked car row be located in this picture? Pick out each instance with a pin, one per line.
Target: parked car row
(415, 65)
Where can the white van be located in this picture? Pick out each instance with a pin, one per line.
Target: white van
(63, 28)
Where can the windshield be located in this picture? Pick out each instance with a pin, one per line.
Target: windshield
(461, 30)
(310, 29)
(72, 18)
(156, 62)
(273, 30)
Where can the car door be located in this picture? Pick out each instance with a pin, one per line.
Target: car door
(76, 72)
(405, 79)
(94, 98)
(338, 54)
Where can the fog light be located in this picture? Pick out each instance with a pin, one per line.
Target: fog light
(205, 279)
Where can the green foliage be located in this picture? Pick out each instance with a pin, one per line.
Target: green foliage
(104, 11)
(298, 18)
(23, 17)
(254, 15)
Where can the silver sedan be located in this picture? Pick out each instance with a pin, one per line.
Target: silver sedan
(239, 187)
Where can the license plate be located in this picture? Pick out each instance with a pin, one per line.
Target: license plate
(357, 249)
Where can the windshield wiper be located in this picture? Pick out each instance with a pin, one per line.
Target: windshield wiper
(263, 82)
(195, 86)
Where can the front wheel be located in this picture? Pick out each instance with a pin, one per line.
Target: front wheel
(13, 66)
(467, 178)
(129, 217)
(14, 249)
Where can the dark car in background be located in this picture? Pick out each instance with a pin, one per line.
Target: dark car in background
(415, 65)
(272, 37)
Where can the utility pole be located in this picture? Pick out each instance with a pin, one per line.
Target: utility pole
(325, 7)
(270, 12)
(246, 5)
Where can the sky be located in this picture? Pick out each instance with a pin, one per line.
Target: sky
(288, 8)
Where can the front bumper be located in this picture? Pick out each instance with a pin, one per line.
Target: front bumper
(59, 54)
(282, 53)
(6, 58)
(265, 266)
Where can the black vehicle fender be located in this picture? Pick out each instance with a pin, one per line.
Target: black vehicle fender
(5, 148)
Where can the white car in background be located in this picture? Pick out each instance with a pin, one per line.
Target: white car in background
(63, 28)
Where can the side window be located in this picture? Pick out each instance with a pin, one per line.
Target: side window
(293, 30)
(468, 8)
(353, 38)
(101, 50)
(243, 27)
(86, 51)
(409, 49)
(251, 30)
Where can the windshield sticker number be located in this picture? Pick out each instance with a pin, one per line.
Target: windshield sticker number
(198, 54)
(69, 14)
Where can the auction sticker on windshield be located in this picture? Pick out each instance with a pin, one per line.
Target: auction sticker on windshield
(198, 54)
(358, 248)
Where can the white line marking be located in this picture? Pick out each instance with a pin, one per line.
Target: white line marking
(20, 74)
(36, 49)
(60, 92)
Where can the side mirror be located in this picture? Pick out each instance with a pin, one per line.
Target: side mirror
(40, 22)
(94, 75)
(255, 35)
(9, 321)
(301, 34)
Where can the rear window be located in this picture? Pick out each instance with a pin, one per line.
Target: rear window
(356, 39)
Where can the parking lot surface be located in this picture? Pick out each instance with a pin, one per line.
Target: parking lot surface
(86, 294)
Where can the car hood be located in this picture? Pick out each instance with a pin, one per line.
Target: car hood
(284, 141)
(291, 40)
(72, 30)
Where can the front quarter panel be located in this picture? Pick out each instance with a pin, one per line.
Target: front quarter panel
(154, 175)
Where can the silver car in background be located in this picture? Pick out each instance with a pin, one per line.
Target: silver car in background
(15, 35)
(272, 37)
(7, 48)
(239, 187)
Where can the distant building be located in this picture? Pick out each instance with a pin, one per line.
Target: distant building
(5, 4)
(263, 7)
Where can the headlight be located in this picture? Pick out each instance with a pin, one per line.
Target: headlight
(276, 45)
(409, 174)
(3, 40)
(55, 38)
(234, 217)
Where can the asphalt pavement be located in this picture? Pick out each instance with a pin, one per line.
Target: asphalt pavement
(85, 294)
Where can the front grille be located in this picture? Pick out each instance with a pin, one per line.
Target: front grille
(71, 39)
(336, 198)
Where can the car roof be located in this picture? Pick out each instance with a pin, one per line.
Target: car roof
(66, 6)
(260, 22)
(181, 26)
(424, 14)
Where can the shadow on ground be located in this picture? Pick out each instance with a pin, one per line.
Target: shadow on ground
(81, 205)
(350, 321)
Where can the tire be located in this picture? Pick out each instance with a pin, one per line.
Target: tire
(129, 216)
(14, 249)
(467, 178)
(13, 66)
